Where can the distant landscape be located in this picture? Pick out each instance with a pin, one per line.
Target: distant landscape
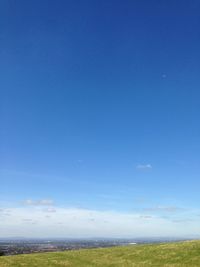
(174, 254)
(25, 246)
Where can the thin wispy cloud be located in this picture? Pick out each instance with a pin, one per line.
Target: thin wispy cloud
(164, 209)
(4, 212)
(144, 166)
(186, 220)
(146, 216)
(40, 202)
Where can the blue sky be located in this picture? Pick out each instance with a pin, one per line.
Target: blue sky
(100, 113)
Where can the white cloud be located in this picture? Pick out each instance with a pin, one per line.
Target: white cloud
(144, 166)
(50, 210)
(40, 202)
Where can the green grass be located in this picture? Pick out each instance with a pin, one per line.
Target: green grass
(179, 254)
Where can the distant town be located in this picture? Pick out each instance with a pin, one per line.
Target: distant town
(27, 246)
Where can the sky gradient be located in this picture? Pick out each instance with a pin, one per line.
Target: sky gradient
(100, 108)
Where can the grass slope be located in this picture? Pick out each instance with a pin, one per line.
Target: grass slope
(180, 254)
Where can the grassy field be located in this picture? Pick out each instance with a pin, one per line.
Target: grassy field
(180, 254)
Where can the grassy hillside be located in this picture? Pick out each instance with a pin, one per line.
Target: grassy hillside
(180, 254)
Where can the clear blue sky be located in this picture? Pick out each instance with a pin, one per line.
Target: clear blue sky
(100, 104)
